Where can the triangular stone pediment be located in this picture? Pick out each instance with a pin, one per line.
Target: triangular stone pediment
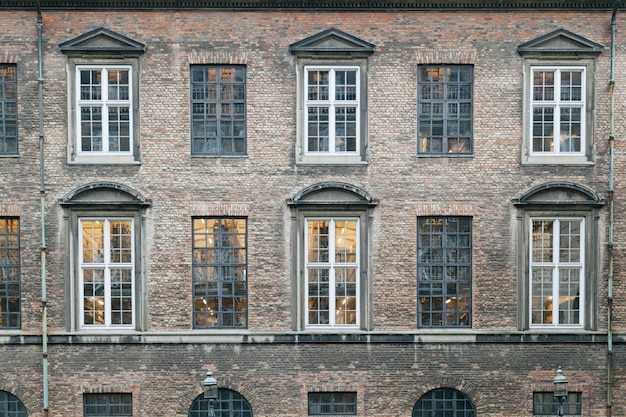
(102, 40)
(561, 42)
(332, 41)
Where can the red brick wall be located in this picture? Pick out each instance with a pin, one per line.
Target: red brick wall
(389, 377)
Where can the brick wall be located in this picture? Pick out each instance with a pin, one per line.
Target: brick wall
(499, 376)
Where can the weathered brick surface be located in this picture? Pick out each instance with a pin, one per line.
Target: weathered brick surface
(166, 378)
(274, 377)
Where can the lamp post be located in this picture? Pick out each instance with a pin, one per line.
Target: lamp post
(210, 391)
(560, 390)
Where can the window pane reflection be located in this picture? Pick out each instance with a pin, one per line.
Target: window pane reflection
(219, 272)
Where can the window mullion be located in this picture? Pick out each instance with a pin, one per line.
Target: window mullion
(556, 271)
(218, 121)
(107, 273)
(105, 110)
(331, 111)
(332, 307)
(444, 141)
(219, 268)
(557, 111)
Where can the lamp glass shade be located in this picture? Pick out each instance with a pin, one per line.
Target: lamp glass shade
(210, 386)
(560, 384)
(210, 393)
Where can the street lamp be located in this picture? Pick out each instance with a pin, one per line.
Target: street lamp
(560, 390)
(210, 391)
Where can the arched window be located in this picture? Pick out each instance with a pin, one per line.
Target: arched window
(446, 402)
(228, 404)
(11, 406)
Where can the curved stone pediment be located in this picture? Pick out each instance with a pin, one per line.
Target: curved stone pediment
(105, 193)
(561, 193)
(333, 192)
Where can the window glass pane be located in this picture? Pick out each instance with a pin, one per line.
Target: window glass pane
(332, 99)
(444, 402)
(219, 271)
(558, 109)
(570, 128)
(556, 271)
(332, 403)
(10, 282)
(318, 85)
(444, 271)
(8, 110)
(332, 271)
(318, 138)
(445, 101)
(107, 272)
(228, 404)
(218, 118)
(105, 110)
(113, 405)
(544, 404)
(11, 406)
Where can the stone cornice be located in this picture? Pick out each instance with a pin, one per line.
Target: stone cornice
(317, 5)
(228, 336)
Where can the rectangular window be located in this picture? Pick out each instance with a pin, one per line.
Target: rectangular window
(219, 270)
(218, 116)
(332, 403)
(109, 405)
(444, 269)
(10, 292)
(557, 271)
(332, 109)
(8, 110)
(107, 272)
(332, 272)
(104, 103)
(544, 404)
(558, 110)
(445, 101)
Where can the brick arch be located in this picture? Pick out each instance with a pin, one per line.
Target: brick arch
(465, 387)
(243, 389)
(21, 394)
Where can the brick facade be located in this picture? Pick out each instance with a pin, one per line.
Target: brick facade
(389, 362)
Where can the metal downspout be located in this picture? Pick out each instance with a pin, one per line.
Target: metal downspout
(42, 194)
(609, 367)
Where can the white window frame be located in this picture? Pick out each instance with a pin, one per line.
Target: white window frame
(333, 266)
(556, 266)
(107, 265)
(332, 103)
(557, 103)
(105, 103)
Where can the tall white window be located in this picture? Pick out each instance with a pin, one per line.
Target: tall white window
(332, 110)
(104, 109)
(107, 274)
(558, 110)
(332, 272)
(557, 271)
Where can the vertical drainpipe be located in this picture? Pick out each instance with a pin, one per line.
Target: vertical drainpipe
(609, 368)
(42, 194)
